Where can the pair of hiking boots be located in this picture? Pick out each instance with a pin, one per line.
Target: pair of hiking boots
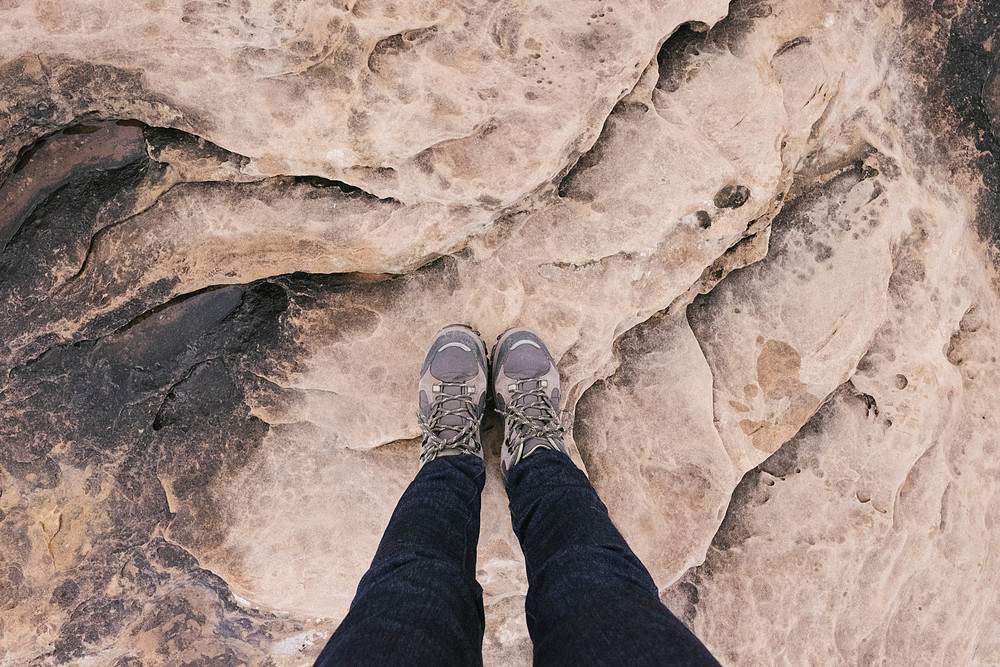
(454, 385)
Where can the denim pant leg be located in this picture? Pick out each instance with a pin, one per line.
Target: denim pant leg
(419, 603)
(590, 600)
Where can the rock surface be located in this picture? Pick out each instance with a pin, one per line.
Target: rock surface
(760, 239)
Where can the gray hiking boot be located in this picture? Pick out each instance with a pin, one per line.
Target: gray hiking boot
(452, 394)
(525, 384)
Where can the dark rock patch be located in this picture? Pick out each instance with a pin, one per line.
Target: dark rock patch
(732, 196)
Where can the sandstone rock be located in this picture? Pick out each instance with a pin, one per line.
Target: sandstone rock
(407, 98)
(781, 334)
(887, 481)
(227, 232)
(652, 451)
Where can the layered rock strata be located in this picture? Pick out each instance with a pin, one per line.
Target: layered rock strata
(757, 238)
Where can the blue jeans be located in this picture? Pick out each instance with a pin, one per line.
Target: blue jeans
(590, 600)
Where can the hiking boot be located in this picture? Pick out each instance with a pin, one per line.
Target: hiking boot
(452, 394)
(525, 384)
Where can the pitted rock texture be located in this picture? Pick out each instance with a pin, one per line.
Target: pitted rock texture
(760, 240)
(500, 102)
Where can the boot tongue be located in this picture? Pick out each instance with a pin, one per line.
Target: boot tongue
(451, 404)
(527, 403)
(530, 400)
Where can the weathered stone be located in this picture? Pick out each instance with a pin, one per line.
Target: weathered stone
(472, 104)
(228, 231)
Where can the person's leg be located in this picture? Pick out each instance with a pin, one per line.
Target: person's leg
(590, 600)
(419, 603)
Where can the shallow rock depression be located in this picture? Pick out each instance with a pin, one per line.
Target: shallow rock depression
(759, 237)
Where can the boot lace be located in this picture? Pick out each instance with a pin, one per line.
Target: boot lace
(534, 421)
(432, 425)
